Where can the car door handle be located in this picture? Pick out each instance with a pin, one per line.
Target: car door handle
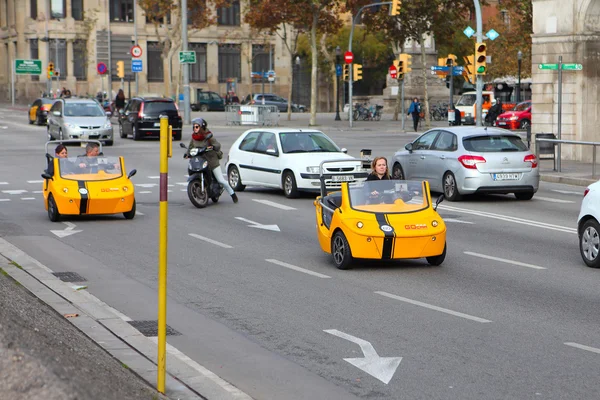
(443, 157)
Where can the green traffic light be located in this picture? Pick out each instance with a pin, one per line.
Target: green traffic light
(481, 70)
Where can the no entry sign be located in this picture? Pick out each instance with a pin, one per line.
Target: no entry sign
(101, 68)
(348, 57)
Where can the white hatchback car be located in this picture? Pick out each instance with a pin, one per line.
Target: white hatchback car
(588, 226)
(288, 159)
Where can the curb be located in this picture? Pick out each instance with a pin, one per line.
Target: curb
(568, 180)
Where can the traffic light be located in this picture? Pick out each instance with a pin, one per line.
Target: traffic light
(395, 7)
(451, 59)
(57, 73)
(50, 70)
(357, 72)
(345, 72)
(469, 69)
(121, 69)
(480, 58)
(406, 62)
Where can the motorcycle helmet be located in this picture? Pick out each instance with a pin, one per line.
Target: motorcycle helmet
(201, 134)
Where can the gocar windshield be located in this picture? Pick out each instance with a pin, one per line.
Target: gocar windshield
(83, 110)
(389, 196)
(307, 142)
(90, 168)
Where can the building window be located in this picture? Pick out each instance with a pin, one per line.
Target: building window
(198, 70)
(121, 10)
(160, 20)
(505, 17)
(33, 9)
(34, 53)
(229, 62)
(155, 62)
(57, 8)
(230, 15)
(58, 55)
(77, 10)
(260, 62)
(80, 62)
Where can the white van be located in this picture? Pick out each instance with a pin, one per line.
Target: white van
(466, 105)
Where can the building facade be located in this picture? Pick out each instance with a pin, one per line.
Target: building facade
(78, 35)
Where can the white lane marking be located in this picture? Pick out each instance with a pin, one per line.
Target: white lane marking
(4, 199)
(253, 224)
(170, 185)
(35, 181)
(551, 200)
(583, 347)
(38, 191)
(27, 198)
(14, 191)
(225, 246)
(456, 220)
(139, 213)
(508, 218)
(568, 192)
(145, 192)
(273, 204)
(181, 183)
(183, 190)
(3, 183)
(146, 185)
(299, 269)
(432, 307)
(504, 260)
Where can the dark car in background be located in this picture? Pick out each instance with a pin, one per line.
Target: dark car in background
(141, 117)
(208, 101)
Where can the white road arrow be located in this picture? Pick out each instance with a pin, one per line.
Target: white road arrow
(253, 224)
(67, 231)
(382, 368)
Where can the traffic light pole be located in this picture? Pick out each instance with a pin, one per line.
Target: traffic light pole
(186, 66)
(451, 84)
(479, 78)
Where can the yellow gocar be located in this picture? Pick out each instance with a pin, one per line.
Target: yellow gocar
(385, 220)
(87, 186)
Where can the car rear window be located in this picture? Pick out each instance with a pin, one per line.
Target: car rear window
(494, 143)
(157, 107)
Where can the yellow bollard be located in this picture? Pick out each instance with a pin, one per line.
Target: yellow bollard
(162, 253)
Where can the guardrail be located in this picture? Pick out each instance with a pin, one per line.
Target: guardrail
(556, 143)
(252, 115)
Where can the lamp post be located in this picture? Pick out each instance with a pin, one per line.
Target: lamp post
(338, 53)
(298, 80)
(519, 58)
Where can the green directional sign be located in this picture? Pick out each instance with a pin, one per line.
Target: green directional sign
(548, 66)
(187, 57)
(32, 67)
(572, 67)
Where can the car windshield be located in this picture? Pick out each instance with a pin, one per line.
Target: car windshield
(522, 106)
(494, 143)
(100, 168)
(307, 142)
(388, 196)
(83, 110)
(467, 100)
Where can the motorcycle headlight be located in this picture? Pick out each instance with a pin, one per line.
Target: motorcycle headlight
(205, 164)
(312, 170)
(194, 152)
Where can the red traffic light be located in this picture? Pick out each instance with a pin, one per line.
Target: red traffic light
(393, 72)
(348, 57)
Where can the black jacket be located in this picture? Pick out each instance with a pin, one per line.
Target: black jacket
(373, 177)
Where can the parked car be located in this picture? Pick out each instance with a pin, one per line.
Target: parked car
(465, 160)
(517, 118)
(269, 99)
(141, 117)
(38, 110)
(208, 101)
(588, 226)
(288, 159)
(79, 118)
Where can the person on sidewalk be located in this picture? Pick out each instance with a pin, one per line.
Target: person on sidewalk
(415, 111)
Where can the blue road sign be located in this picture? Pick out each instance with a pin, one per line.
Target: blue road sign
(492, 34)
(136, 65)
(438, 68)
(338, 70)
(469, 31)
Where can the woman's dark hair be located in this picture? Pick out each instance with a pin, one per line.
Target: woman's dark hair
(59, 148)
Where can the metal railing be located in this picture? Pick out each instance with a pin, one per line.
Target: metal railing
(252, 115)
(558, 142)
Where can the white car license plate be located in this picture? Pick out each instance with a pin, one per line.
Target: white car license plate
(342, 178)
(501, 123)
(506, 177)
(157, 124)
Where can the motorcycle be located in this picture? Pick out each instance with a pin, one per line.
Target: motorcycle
(202, 185)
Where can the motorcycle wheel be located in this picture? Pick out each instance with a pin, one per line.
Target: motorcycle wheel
(198, 197)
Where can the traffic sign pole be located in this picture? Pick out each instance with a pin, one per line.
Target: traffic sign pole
(559, 111)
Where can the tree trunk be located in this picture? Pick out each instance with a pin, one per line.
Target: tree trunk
(398, 100)
(426, 99)
(291, 81)
(313, 75)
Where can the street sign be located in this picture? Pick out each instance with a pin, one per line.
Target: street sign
(547, 66)
(187, 57)
(468, 31)
(338, 70)
(33, 67)
(136, 51)
(492, 34)
(572, 67)
(348, 57)
(101, 68)
(438, 68)
(136, 65)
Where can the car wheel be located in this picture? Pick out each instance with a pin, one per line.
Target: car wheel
(235, 180)
(589, 243)
(136, 133)
(203, 108)
(108, 143)
(193, 107)
(53, 213)
(397, 172)
(290, 189)
(450, 187)
(524, 124)
(131, 213)
(30, 121)
(198, 197)
(121, 133)
(524, 195)
(340, 251)
(437, 260)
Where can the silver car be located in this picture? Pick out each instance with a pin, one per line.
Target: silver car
(465, 160)
(79, 118)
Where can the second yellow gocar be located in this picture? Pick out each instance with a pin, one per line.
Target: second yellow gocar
(384, 220)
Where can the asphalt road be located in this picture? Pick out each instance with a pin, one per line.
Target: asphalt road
(511, 313)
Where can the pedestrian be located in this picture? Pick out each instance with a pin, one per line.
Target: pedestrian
(380, 170)
(415, 111)
(120, 101)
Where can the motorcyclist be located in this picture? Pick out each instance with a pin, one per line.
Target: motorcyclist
(202, 137)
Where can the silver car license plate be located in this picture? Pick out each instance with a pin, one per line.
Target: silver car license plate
(506, 177)
(342, 178)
